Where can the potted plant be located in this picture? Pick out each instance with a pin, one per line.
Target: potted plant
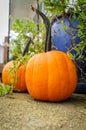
(68, 24)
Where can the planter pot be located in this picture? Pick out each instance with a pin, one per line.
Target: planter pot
(62, 31)
(81, 88)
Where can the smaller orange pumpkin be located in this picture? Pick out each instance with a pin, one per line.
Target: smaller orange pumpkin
(14, 73)
(9, 76)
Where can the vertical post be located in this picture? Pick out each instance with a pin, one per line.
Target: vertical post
(5, 49)
(38, 17)
(9, 29)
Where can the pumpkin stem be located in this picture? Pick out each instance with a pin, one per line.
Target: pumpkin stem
(27, 46)
(48, 29)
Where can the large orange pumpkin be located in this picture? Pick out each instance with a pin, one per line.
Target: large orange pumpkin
(51, 76)
(8, 76)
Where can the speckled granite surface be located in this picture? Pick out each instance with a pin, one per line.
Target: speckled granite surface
(21, 112)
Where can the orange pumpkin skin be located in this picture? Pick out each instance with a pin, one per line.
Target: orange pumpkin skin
(51, 76)
(20, 84)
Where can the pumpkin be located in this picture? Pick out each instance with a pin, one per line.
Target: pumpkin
(9, 75)
(50, 76)
(14, 73)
